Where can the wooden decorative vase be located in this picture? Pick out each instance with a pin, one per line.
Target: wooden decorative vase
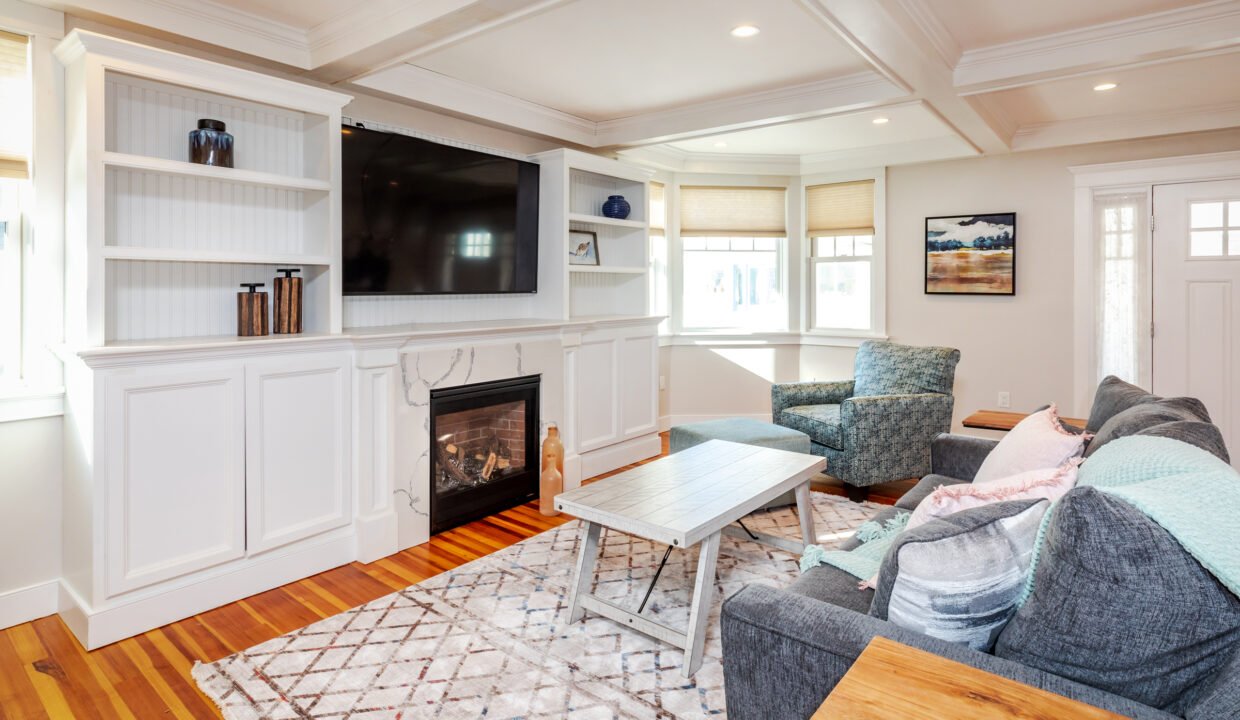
(251, 311)
(286, 303)
(551, 482)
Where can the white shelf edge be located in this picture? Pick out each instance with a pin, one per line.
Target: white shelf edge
(610, 269)
(600, 220)
(244, 177)
(114, 252)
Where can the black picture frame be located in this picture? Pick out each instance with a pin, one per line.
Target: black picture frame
(958, 286)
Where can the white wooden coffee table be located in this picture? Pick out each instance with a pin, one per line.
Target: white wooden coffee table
(681, 500)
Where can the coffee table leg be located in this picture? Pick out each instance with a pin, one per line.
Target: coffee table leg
(587, 556)
(703, 592)
(805, 513)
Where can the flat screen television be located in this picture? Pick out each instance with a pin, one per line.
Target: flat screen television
(424, 218)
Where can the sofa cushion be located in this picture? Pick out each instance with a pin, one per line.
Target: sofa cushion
(958, 578)
(1118, 604)
(820, 422)
(883, 368)
(1204, 435)
(1147, 415)
(1112, 397)
(831, 584)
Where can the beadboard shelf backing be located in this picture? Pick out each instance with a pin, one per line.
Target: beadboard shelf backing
(589, 190)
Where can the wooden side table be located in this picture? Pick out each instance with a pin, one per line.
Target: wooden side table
(890, 680)
(1005, 420)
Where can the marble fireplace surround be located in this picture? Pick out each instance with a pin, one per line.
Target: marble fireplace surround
(395, 370)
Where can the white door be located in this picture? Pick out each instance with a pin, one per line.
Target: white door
(175, 474)
(297, 448)
(1196, 296)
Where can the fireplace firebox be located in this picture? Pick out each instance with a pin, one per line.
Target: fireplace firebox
(484, 449)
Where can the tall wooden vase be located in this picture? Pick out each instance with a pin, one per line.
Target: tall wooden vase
(551, 482)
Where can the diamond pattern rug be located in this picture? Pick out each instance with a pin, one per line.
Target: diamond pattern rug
(491, 638)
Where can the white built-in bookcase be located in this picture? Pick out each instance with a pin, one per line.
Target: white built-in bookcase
(574, 187)
(158, 246)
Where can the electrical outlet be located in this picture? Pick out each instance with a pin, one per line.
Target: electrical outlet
(662, 382)
(1005, 399)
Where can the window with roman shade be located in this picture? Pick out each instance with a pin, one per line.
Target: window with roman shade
(15, 99)
(15, 108)
(839, 221)
(732, 241)
(658, 253)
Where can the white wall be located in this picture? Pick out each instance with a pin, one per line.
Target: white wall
(30, 474)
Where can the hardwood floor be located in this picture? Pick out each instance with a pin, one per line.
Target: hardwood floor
(45, 672)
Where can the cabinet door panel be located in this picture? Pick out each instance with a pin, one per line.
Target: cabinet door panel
(639, 401)
(297, 449)
(597, 423)
(175, 474)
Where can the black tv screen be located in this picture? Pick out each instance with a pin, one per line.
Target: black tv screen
(424, 218)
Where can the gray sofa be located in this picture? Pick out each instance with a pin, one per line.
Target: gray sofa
(1121, 618)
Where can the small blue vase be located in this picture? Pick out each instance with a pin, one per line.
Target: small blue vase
(616, 207)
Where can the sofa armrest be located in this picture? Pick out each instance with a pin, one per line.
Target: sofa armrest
(786, 395)
(783, 653)
(959, 456)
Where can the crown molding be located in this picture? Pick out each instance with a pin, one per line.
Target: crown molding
(766, 107)
(904, 153)
(1207, 28)
(1107, 128)
(941, 39)
(420, 85)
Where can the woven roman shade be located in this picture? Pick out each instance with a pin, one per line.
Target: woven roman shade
(658, 206)
(840, 209)
(14, 106)
(732, 212)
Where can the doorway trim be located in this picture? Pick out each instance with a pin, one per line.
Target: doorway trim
(1134, 176)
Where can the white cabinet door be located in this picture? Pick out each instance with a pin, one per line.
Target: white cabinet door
(175, 474)
(297, 448)
(636, 391)
(598, 423)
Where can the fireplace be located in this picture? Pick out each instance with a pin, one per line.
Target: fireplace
(484, 449)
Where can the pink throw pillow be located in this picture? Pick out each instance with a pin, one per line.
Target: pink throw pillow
(1037, 442)
(1048, 483)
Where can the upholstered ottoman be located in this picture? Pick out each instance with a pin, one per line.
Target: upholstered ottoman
(743, 430)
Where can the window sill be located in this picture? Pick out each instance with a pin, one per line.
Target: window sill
(764, 339)
(26, 403)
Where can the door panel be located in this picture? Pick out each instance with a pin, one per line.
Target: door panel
(1196, 269)
(639, 400)
(297, 449)
(175, 474)
(597, 423)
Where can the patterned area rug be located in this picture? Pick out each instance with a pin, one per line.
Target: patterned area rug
(491, 638)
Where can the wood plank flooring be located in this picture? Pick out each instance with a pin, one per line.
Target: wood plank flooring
(45, 672)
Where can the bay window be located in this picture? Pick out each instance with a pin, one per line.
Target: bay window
(15, 103)
(658, 254)
(840, 235)
(732, 247)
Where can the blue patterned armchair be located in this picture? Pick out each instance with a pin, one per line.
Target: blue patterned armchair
(878, 426)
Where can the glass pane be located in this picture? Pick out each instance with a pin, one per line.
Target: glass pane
(733, 290)
(718, 243)
(694, 243)
(824, 247)
(1233, 242)
(742, 244)
(1127, 243)
(842, 295)
(844, 246)
(1119, 343)
(1207, 215)
(1110, 219)
(864, 245)
(1233, 213)
(1204, 243)
(766, 244)
(1127, 215)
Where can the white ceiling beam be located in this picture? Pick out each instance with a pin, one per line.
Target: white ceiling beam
(896, 44)
(1159, 37)
(1108, 128)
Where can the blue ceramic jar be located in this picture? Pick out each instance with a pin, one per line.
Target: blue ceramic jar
(616, 207)
(210, 145)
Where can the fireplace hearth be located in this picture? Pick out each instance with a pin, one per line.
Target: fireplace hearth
(484, 449)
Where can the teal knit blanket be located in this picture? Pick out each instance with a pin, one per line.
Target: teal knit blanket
(1190, 493)
(863, 561)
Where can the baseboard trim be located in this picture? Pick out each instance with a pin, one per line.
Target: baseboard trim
(29, 603)
(376, 536)
(96, 628)
(667, 422)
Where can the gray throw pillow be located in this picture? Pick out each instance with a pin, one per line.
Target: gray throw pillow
(958, 578)
(1112, 398)
(1118, 604)
(1204, 435)
(1146, 415)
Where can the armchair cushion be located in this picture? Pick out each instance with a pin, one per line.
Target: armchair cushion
(820, 422)
(786, 395)
(883, 368)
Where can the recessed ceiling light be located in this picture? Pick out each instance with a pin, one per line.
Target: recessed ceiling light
(881, 120)
(744, 31)
(1103, 87)
(721, 144)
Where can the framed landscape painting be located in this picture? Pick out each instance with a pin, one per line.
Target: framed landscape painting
(971, 254)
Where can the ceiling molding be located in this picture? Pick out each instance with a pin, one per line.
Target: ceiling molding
(758, 109)
(939, 36)
(422, 86)
(673, 159)
(904, 153)
(1159, 37)
(1107, 128)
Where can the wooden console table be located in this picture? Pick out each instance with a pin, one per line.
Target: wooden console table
(1005, 420)
(890, 680)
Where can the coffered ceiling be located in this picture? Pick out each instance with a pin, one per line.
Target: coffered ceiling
(667, 80)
